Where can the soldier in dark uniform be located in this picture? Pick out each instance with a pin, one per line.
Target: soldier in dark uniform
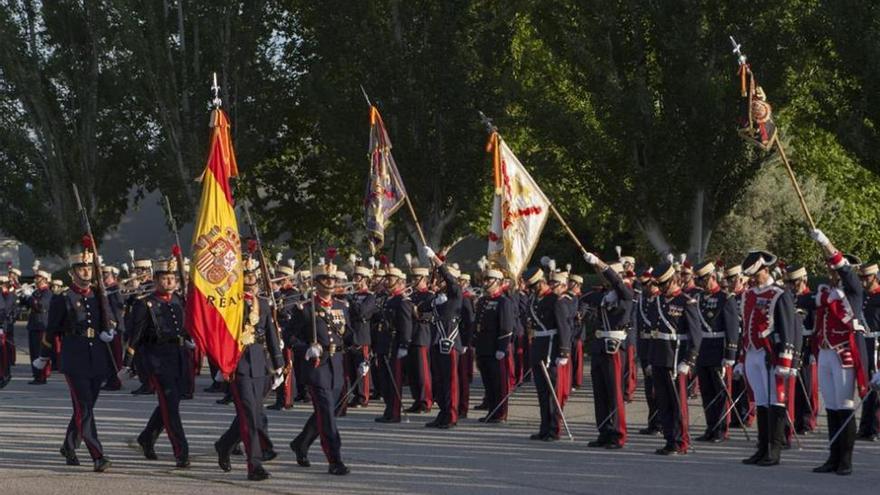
(9, 312)
(85, 355)
(495, 317)
(377, 366)
(575, 282)
(143, 280)
(550, 350)
(675, 345)
(615, 309)
(117, 302)
(392, 344)
(299, 348)
(647, 321)
(419, 369)
(323, 324)
(157, 330)
(467, 326)
(629, 347)
(287, 298)
(446, 345)
(522, 333)
(742, 393)
(719, 319)
(38, 303)
(260, 359)
(869, 428)
(806, 406)
(362, 307)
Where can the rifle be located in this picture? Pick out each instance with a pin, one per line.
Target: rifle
(176, 252)
(101, 292)
(264, 270)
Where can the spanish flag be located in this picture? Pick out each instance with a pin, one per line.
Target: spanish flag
(214, 313)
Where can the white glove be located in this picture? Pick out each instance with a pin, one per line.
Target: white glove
(40, 362)
(2, 332)
(499, 355)
(793, 372)
(683, 368)
(728, 363)
(218, 377)
(27, 291)
(124, 373)
(723, 372)
(820, 237)
(314, 352)
(561, 361)
(279, 378)
(429, 253)
(364, 368)
(401, 353)
(106, 336)
(782, 371)
(281, 344)
(464, 350)
(440, 299)
(738, 371)
(648, 370)
(875, 381)
(591, 258)
(189, 344)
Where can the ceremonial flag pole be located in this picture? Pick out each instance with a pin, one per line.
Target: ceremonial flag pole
(759, 128)
(385, 191)
(214, 315)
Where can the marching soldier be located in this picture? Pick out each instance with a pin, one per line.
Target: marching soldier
(768, 333)
(466, 360)
(143, 279)
(836, 346)
(392, 344)
(157, 330)
(869, 428)
(261, 352)
(323, 323)
(38, 302)
(419, 370)
(361, 309)
(615, 307)
(806, 395)
(85, 356)
(550, 350)
(675, 345)
(495, 315)
(647, 321)
(719, 319)
(111, 274)
(286, 297)
(446, 345)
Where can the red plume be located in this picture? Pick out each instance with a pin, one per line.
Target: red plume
(441, 257)
(383, 260)
(719, 263)
(687, 264)
(87, 242)
(331, 253)
(782, 264)
(8, 264)
(252, 246)
(175, 250)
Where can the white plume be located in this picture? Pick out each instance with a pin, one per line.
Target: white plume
(568, 267)
(36, 265)
(618, 250)
(545, 260)
(125, 267)
(483, 263)
(669, 257)
(291, 263)
(131, 254)
(682, 257)
(321, 261)
(352, 258)
(372, 261)
(551, 265)
(278, 257)
(409, 259)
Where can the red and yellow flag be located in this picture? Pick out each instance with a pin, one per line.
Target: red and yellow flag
(214, 314)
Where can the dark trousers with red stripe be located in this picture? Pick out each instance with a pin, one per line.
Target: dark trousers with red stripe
(494, 384)
(113, 382)
(714, 400)
(284, 393)
(445, 371)
(807, 406)
(391, 373)
(465, 376)
(354, 357)
(673, 414)
(247, 395)
(84, 393)
(7, 353)
(520, 357)
(550, 415)
(608, 396)
(325, 388)
(870, 423)
(167, 415)
(577, 363)
(420, 376)
(651, 398)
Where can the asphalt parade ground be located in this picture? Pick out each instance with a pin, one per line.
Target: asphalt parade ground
(398, 458)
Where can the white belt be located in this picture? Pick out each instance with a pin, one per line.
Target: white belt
(713, 335)
(614, 334)
(545, 333)
(667, 336)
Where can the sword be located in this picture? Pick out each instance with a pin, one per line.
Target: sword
(348, 393)
(610, 415)
(509, 394)
(849, 418)
(674, 378)
(806, 393)
(555, 399)
(739, 418)
(729, 409)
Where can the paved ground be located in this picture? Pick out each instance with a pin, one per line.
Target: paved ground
(404, 458)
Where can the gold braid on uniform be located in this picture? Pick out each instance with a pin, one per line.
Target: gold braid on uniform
(247, 335)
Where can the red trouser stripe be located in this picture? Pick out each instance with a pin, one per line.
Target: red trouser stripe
(682, 385)
(428, 398)
(365, 382)
(325, 445)
(453, 387)
(243, 428)
(166, 418)
(78, 420)
(618, 393)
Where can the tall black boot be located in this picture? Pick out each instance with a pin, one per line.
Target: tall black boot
(762, 437)
(830, 465)
(776, 436)
(845, 442)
